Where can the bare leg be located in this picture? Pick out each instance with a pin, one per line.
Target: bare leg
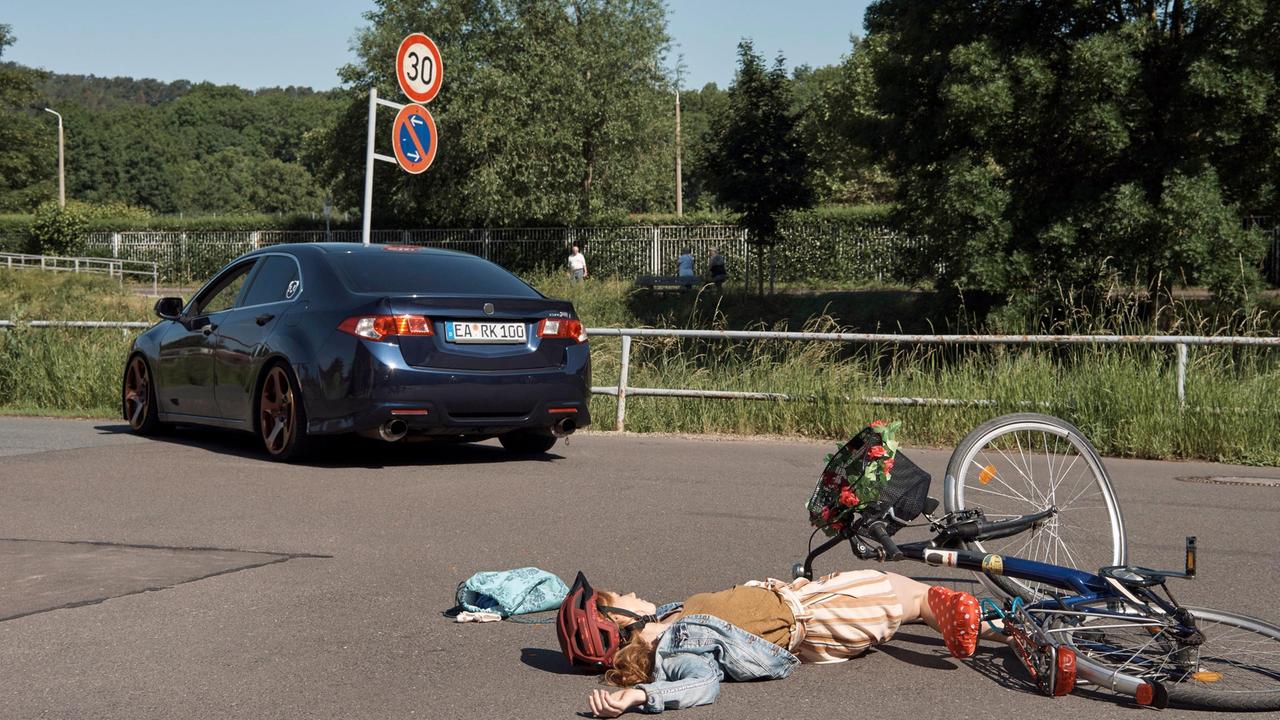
(915, 605)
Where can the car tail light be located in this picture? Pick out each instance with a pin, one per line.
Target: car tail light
(382, 327)
(562, 328)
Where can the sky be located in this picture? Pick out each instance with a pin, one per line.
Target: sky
(267, 43)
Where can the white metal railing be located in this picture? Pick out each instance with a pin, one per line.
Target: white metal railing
(622, 390)
(1182, 343)
(112, 267)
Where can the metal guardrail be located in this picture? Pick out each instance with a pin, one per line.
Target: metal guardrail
(112, 267)
(1182, 344)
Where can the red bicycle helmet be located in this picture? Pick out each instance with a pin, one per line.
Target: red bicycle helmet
(586, 636)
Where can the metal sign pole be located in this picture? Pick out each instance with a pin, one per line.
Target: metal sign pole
(368, 166)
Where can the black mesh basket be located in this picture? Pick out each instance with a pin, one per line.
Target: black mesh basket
(907, 490)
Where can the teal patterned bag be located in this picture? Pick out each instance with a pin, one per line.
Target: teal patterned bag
(512, 592)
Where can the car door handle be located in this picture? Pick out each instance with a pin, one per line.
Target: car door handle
(208, 329)
(265, 318)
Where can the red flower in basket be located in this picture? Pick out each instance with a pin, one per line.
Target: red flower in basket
(826, 513)
(829, 479)
(877, 423)
(876, 452)
(847, 498)
(888, 465)
(837, 526)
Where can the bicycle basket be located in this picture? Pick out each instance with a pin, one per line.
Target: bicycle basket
(906, 491)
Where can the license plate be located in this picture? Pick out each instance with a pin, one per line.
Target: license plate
(484, 332)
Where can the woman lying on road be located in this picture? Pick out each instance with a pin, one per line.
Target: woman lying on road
(675, 656)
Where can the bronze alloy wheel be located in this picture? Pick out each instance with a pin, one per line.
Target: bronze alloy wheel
(277, 411)
(137, 394)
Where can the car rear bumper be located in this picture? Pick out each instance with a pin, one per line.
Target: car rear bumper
(381, 387)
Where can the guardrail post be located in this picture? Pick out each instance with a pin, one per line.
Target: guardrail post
(622, 383)
(1182, 376)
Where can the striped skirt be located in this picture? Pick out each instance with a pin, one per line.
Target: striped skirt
(840, 615)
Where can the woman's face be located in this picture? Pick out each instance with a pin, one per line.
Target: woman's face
(634, 604)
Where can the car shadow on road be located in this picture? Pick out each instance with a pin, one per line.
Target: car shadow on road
(342, 451)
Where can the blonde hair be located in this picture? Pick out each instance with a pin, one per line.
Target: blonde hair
(633, 662)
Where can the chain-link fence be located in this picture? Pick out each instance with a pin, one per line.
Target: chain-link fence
(834, 252)
(804, 253)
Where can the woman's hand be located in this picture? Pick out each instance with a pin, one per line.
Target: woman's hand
(605, 704)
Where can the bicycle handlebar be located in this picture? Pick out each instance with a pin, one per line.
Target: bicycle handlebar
(881, 535)
(872, 525)
(982, 530)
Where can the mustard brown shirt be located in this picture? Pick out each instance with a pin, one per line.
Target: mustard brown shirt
(757, 610)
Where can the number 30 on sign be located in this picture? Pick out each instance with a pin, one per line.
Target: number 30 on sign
(419, 68)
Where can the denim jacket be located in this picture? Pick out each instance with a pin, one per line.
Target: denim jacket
(697, 651)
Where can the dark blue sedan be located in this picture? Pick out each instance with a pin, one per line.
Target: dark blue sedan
(296, 341)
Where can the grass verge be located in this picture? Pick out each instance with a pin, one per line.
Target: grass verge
(1123, 398)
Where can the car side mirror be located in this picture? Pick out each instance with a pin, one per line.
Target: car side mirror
(169, 308)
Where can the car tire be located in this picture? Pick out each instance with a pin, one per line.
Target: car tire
(524, 442)
(280, 416)
(138, 398)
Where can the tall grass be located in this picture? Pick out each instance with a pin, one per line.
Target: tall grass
(1123, 397)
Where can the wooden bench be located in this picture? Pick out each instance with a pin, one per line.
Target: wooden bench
(662, 283)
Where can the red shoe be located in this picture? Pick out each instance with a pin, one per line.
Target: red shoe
(959, 616)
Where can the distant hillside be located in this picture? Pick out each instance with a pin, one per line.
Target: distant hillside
(178, 147)
(98, 93)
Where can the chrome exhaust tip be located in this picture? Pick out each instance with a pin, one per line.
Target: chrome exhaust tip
(564, 428)
(393, 430)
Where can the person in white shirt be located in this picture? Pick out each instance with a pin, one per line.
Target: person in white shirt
(577, 265)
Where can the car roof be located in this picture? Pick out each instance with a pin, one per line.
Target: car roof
(347, 248)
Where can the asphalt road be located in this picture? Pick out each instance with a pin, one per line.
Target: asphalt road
(189, 578)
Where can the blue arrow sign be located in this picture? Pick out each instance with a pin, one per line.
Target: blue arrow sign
(415, 141)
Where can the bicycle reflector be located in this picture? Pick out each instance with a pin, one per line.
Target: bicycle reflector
(384, 327)
(987, 475)
(562, 328)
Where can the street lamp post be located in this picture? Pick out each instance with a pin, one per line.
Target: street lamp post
(679, 179)
(62, 176)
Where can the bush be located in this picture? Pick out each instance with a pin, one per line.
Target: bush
(58, 231)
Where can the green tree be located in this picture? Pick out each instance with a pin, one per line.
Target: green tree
(1045, 144)
(758, 167)
(833, 105)
(28, 147)
(698, 110)
(551, 111)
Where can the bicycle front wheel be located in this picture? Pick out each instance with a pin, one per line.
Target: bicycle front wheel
(1234, 665)
(1027, 462)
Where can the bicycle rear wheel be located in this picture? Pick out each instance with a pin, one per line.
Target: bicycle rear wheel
(1235, 667)
(1024, 463)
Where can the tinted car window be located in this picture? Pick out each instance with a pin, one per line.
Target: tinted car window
(276, 280)
(409, 272)
(222, 296)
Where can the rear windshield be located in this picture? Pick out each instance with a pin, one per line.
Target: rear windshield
(410, 273)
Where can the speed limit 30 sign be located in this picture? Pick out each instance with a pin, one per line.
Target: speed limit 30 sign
(419, 68)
